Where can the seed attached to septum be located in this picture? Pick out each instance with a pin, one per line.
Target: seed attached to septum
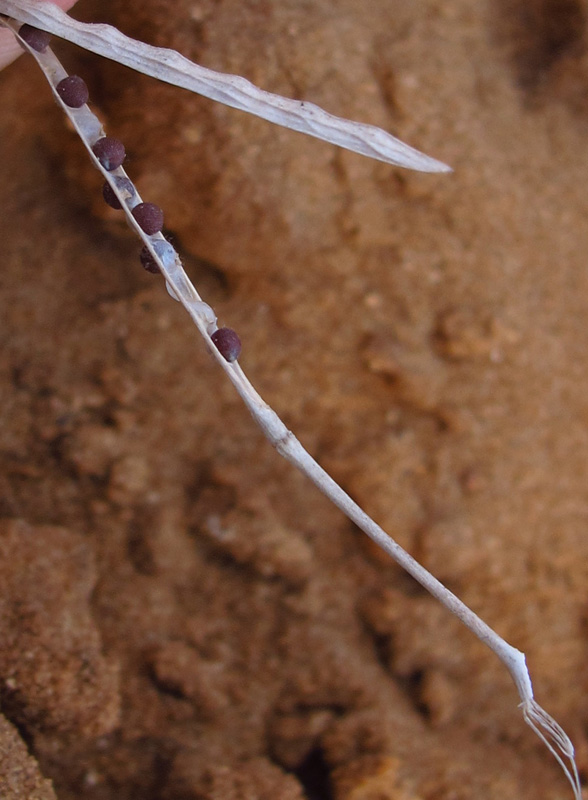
(148, 262)
(37, 40)
(73, 91)
(110, 152)
(149, 217)
(227, 343)
(110, 198)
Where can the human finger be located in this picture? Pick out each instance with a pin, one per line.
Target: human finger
(9, 47)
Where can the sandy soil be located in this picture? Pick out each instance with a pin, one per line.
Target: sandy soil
(182, 616)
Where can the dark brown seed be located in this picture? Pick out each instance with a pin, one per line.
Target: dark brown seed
(36, 39)
(110, 152)
(124, 184)
(148, 262)
(227, 343)
(109, 197)
(149, 217)
(73, 91)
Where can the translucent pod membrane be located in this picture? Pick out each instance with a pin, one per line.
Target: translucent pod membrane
(206, 314)
(124, 186)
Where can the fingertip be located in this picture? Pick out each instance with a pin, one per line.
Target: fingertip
(9, 49)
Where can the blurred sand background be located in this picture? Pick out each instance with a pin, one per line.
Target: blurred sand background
(182, 616)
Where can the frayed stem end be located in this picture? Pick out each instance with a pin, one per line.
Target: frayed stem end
(556, 740)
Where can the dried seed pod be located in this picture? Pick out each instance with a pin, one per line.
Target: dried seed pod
(227, 343)
(73, 91)
(36, 39)
(124, 184)
(149, 217)
(110, 152)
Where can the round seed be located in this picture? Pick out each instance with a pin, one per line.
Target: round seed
(124, 184)
(148, 262)
(36, 39)
(227, 343)
(73, 91)
(149, 217)
(110, 152)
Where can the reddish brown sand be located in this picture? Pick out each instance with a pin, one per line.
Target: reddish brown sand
(182, 617)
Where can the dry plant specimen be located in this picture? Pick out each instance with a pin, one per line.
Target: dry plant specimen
(31, 21)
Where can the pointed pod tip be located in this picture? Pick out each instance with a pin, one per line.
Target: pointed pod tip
(403, 155)
(427, 164)
(439, 166)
